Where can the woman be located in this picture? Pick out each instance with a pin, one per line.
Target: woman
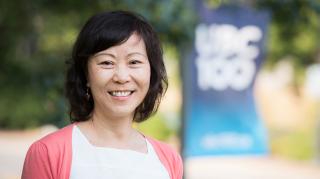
(116, 76)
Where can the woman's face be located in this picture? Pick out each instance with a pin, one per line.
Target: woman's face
(119, 77)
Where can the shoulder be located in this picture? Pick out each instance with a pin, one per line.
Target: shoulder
(53, 142)
(43, 159)
(60, 136)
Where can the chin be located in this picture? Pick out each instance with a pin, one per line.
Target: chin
(123, 112)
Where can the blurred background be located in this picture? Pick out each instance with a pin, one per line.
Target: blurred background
(37, 37)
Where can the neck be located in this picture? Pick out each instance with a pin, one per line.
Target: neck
(117, 132)
(112, 127)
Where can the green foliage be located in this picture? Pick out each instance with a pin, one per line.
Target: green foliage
(298, 145)
(294, 30)
(155, 127)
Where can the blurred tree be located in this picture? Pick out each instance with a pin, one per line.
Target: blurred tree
(36, 39)
(294, 30)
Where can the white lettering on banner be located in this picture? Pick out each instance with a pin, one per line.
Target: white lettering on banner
(226, 56)
(226, 140)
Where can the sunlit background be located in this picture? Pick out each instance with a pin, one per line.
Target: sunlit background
(36, 38)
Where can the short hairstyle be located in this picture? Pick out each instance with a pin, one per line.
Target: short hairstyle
(101, 32)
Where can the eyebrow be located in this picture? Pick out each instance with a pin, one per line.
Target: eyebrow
(136, 53)
(113, 56)
(104, 53)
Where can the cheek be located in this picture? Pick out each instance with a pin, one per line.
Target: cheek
(146, 84)
(146, 77)
(98, 78)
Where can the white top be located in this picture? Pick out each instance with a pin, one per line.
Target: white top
(91, 162)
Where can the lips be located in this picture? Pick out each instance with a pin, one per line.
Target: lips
(120, 93)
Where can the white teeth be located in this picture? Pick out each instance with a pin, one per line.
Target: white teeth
(120, 93)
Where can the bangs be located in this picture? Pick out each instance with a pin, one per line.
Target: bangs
(107, 37)
(106, 33)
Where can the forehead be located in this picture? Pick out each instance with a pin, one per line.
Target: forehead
(134, 43)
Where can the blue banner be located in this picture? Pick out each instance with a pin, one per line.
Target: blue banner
(219, 108)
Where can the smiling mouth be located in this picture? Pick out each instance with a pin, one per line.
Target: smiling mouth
(120, 93)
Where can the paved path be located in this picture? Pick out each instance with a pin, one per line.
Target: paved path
(14, 145)
(13, 148)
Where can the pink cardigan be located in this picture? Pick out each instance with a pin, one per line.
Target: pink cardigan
(51, 156)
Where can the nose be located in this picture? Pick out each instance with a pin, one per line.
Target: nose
(121, 74)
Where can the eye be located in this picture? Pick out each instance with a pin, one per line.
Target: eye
(135, 62)
(107, 63)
